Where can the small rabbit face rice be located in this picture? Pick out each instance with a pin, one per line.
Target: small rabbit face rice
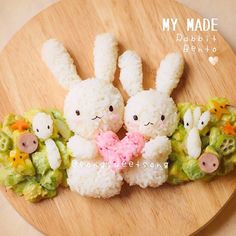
(42, 125)
(151, 113)
(93, 106)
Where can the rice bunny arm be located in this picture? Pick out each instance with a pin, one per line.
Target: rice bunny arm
(157, 149)
(81, 148)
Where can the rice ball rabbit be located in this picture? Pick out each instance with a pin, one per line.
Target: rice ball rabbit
(91, 106)
(152, 113)
(43, 128)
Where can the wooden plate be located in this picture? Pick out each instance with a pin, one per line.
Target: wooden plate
(26, 83)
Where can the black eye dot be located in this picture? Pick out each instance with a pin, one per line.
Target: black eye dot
(221, 107)
(135, 117)
(77, 112)
(34, 142)
(14, 159)
(215, 110)
(214, 164)
(37, 130)
(187, 124)
(23, 144)
(162, 117)
(202, 123)
(204, 163)
(48, 127)
(20, 157)
(111, 108)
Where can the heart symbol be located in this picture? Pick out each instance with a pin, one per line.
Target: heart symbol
(213, 60)
(118, 152)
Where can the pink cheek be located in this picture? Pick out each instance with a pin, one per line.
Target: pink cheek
(131, 125)
(115, 117)
(79, 119)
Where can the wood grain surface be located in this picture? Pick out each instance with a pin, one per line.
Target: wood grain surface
(25, 83)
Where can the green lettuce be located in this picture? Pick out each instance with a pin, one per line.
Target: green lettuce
(192, 169)
(61, 130)
(65, 155)
(34, 180)
(10, 177)
(40, 161)
(52, 179)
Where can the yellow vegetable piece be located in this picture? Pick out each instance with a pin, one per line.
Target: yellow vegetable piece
(18, 158)
(219, 109)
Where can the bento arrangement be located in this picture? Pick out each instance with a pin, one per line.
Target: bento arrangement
(204, 143)
(33, 153)
(43, 150)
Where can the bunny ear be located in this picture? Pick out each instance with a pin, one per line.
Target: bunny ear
(188, 119)
(60, 63)
(169, 73)
(131, 75)
(204, 120)
(196, 116)
(105, 57)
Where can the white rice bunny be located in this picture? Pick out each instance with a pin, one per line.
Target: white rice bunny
(42, 124)
(92, 106)
(193, 123)
(152, 113)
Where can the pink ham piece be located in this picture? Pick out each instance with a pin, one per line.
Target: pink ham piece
(208, 163)
(118, 153)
